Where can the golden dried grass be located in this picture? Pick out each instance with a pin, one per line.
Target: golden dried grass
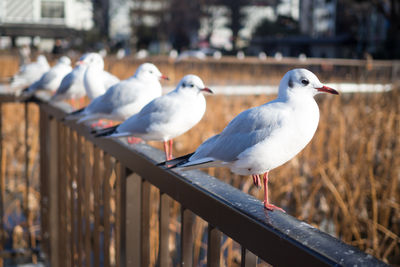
(346, 181)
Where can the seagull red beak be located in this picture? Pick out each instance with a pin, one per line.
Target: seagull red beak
(208, 90)
(163, 77)
(79, 62)
(327, 89)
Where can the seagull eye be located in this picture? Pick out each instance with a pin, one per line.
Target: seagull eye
(305, 82)
(191, 85)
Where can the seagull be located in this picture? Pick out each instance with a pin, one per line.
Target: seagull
(125, 98)
(51, 80)
(72, 86)
(262, 138)
(30, 73)
(167, 116)
(96, 79)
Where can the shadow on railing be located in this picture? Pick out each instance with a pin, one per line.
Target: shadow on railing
(98, 202)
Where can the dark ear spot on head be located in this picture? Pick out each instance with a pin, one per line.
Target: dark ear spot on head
(290, 83)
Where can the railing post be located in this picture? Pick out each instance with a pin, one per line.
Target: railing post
(96, 184)
(187, 224)
(133, 220)
(214, 246)
(145, 224)
(248, 258)
(49, 190)
(2, 186)
(120, 223)
(106, 208)
(163, 252)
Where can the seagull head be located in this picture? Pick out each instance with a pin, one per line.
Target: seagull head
(302, 81)
(148, 71)
(94, 60)
(64, 60)
(41, 59)
(192, 83)
(91, 59)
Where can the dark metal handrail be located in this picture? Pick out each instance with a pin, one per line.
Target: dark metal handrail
(275, 237)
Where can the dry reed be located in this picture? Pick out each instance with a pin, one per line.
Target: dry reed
(346, 181)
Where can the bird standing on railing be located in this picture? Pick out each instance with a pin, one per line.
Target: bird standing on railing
(265, 137)
(51, 80)
(167, 116)
(96, 79)
(29, 73)
(73, 84)
(125, 98)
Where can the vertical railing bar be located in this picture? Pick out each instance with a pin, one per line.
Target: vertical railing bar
(44, 177)
(120, 218)
(96, 194)
(52, 165)
(164, 217)
(133, 219)
(79, 208)
(2, 186)
(28, 215)
(187, 224)
(87, 196)
(214, 246)
(145, 224)
(72, 184)
(62, 197)
(66, 170)
(106, 208)
(248, 258)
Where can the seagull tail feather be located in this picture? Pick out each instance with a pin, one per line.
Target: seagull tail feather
(73, 115)
(176, 162)
(105, 132)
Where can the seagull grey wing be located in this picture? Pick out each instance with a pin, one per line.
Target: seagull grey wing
(66, 83)
(109, 79)
(100, 104)
(154, 112)
(47, 78)
(228, 148)
(245, 130)
(124, 93)
(34, 86)
(204, 149)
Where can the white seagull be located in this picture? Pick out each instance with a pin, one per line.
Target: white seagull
(262, 138)
(125, 98)
(72, 86)
(167, 116)
(96, 79)
(30, 73)
(51, 80)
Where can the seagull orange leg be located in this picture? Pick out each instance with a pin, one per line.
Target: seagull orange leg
(97, 124)
(81, 102)
(134, 140)
(170, 148)
(256, 180)
(267, 205)
(166, 150)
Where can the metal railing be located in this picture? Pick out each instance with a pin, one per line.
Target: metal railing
(95, 192)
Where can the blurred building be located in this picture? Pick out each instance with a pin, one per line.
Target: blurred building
(44, 18)
(331, 28)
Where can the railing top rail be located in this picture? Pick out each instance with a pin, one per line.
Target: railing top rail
(277, 238)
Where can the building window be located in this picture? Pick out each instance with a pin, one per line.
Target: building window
(52, 9)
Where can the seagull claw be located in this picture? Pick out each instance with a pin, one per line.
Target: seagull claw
(272, 207)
